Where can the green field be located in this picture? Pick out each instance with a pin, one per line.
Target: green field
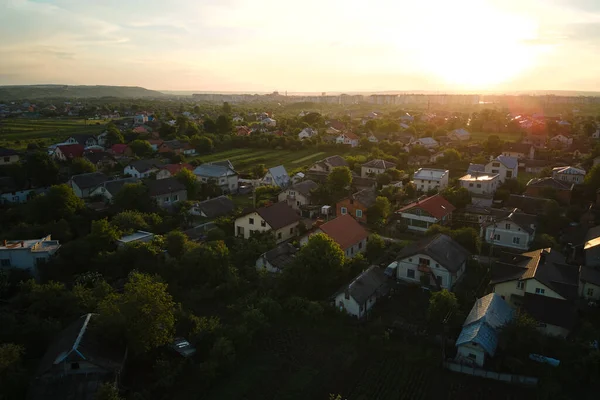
(244, 159)
(16, 133)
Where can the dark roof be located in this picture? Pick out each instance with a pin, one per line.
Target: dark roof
(304, 187)
(175, 144)
(370, 282)
(436, 205)
(380, 164)
(82, 137)
(545, 265)
(278, 215)
(336, 161)
(113, 187)
(4, 152)
(89, 180)
(536, 163)
(281, 256)
(216, 207)
(550, 183)
(590, 275)
(359, 182)
(224, 163)
(97, 156)
(528, 204)
(366, 197)
(443, 249)
(550, 310)
(345, 231)
(164, 186)
(524, 221)
(146, 165)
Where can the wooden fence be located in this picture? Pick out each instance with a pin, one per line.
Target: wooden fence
(482, 373)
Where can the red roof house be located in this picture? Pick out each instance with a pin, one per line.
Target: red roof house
(421, 214)
(175, 168)
(68, 151)
(121, 149)
(346, 232)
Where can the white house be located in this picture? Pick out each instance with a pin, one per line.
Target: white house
(278, 218)
(372, 138)
(270, 122)
(520, 151)
(277, 176)
(427, 142)
(480, 183)
(359, 296)
(145, 168)
(221, 173)
(348, 138)
(510, 229)
(460, 134)
(348, 233)
(506, 167)
(479, 336)
(298, 195)
(562, 140)
(569, 174)
(421, 214)
(83, 184)
(375, 167)
(109, 189)
(307, 133)
(277, 259)
(436, 260)
(27, 254)
(426, 179)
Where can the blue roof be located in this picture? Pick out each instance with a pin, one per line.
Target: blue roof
(509, 162)
(488, 314)
(280, 176)
(475, 168)
(213, 171)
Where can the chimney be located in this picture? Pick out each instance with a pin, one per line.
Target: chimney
(22, 243)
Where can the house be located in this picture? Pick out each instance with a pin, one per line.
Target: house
(328, 164)
(359, 183)
(427, 142)
(270, 122)
(155, 143)
(589, 283)
(528, 204)
(145, 168)
(83, 184)
(569, 174)
(372, 138)
(242, 131)
(346, 232)
(277, 259)
(561, 140)
(480, 183)
(307, 133)
(437, 260)
(166, 191)
(109, 189)
(520, 151)
(221, 173)
(277, 176)
(135, 237)
(417, 161)
(64, 152)
(83, 139)
(140, 130)
(100, 159)
(140, 119)
(506, 167)
(359, 296)
(581, 150)
(27, 254)
(475, 168)
(176, 168)
(375, 167)
(535, 166)
(278, 218)
(299, 194)
(121, 150)
(512, 229)
(478, 338)
(10, 195)
(550, 188)
(421, 214)
(541, 283)
(357, 204)
(348, 138)
(460, 134)
(426, 179)
(8, 156)
(177, 147)
(77, 363)
(213, 208)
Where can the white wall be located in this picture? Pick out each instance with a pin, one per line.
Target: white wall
(412, 263)
(570, 178)
(358, 248)
(467, 351)
(366, 171)
(496, 167)
(481, 187)
(260, 225)
(297, 199)
(508, 235)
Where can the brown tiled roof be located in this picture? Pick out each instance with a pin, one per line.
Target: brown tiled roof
(436, 205)
(345, 231)
(278, 215)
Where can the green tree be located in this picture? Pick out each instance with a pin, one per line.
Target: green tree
(226, 108)
(103, 235)
(458, 197)
(592, 179)
(375, 247)
(41, 169)
(182, 124)
(176, 243)
(520, 336)
(379, 211)
(141, 148)
(468, 238)
(131, 220)
(81, 166)
(143, 314)
(339, 179)
(133, 196)
(203, 145)
(12, 373)
(223, 125)
(113, 135)
(190, 181)
(107, 391)
(544, 241)
(443, 308)
(208, 265)
(317, 268)
(258, 171)
(60, 202)
(210, 126)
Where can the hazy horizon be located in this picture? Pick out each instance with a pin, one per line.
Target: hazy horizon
(309, 47)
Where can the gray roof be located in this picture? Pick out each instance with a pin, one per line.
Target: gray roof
(216, 207)
(89, 180)
(366, 197)
(370, 282)
(488, 314)
(304, 187)
(336, 161)
(213, 171)
(278, 215)
(113, 187)
(280, 176)
(379, 164)
(4, 152)
(530, 205)
(509, 162)
(550, 183)
(224, 163)
(164, 186)
(448, 253)
(281, 256)
(146, 165)
(475, 168)
(97, 156)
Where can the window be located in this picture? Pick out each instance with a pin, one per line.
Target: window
(516, 240)
(278, 235)
(6, 159)
(291, 231)
(540, 291)
(495, 171)
(424, 261)
(507, 226)
(344, 210)
(240, 231)
(410, 260)
(176, 197)
(590, 292)
(437, 265)
(292, 193)
(5, 263)
(251, 221)
(520, 285)
(479, 185)
(496, 164)
(358, 213)
(263, 223)
(167, 199)
(359, 245)
(509, 174)
(352, 250)
(347, 295)
(298, 203)
(440, 280)
(470, 185)
(351, 201)
(410, 273)
(496, 236)
(472, 356)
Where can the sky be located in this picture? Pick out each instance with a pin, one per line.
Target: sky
(303, 46)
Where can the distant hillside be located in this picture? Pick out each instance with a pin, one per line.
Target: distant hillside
(65, 91)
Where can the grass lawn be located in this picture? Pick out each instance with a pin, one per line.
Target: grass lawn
(244, 159)
(16, 133)
(507, 136)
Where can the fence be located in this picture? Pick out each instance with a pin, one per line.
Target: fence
(503, 377)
